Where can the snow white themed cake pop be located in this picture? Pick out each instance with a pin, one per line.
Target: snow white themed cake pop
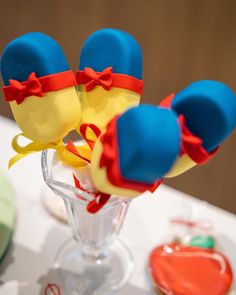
(40, 88)
(109, 75)
(207, 111)
(136, 150)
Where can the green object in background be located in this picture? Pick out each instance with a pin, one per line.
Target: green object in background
(7, 215)
(207, 242)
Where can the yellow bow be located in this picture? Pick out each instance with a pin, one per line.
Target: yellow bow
(65, 155)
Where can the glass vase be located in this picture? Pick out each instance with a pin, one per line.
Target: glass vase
(95, 260)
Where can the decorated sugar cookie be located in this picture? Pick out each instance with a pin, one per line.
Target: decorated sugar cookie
(109, 76)
(136, 150)
(190, 263)
(190, 270)
(207, 110)
(40, 87)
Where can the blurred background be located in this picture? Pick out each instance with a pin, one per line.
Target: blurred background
(182, 41)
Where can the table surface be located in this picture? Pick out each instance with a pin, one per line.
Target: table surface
(37, 237)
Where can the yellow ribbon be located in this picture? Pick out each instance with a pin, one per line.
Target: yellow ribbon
(66, 156)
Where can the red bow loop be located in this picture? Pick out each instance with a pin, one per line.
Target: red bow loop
(31, 86)
(86, 127)
(104, 79)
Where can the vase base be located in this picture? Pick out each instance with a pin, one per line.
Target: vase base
(79, 275)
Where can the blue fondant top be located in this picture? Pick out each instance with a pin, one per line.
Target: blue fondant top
(148, 141)
(210, 110)
(32, 52)
(112, 48)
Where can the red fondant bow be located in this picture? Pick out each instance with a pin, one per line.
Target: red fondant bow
(190, 143)
(105, 78)
(31, 86)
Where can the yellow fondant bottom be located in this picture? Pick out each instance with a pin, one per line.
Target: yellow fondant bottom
(181, 165)
(100, 106)
(48, 118)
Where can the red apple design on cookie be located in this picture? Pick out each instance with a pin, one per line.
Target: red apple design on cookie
(183, 270)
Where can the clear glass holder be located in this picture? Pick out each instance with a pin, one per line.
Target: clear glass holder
(94, 261)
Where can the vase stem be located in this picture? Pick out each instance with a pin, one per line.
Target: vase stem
(93, 254)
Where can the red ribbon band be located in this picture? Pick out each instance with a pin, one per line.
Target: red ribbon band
(19, 91)
(190, 143)
(107, 79)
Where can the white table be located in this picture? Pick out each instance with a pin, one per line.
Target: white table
(37, 237)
